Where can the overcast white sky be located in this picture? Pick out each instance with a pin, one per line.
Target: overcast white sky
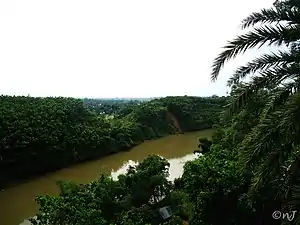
(95, 48)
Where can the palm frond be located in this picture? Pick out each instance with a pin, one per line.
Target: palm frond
(265, 151)
(294, 201)
(277, 75)
(238, 100)
(272, 15)
(268, 133)
(260, 82)
(269, 79)
(269, 167)
(286, 4)
(277, 35)
(277, 98)
(278, 132)
(290, 123)
(264, 62)
(258, 142)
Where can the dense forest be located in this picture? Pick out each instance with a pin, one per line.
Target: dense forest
(109, 106)
(250, 173)
(39, 135)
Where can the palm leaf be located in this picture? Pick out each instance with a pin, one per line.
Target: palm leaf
(266, 171)
(270, 16)
(277, 98)
(257, 142)
(286, 4)
(263, 62)
(238, 100)
(277, 76)
(277, 35)
(268, 79)
(278, 133)
(294, 203)
(289, 122)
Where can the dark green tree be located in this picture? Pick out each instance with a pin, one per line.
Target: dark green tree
(132, 199)
(271, 146)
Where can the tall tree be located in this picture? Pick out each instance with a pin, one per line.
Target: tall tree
(272, 145)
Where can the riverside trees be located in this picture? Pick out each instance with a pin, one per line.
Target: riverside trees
(38, 135)
(252, 168)
(132, 199)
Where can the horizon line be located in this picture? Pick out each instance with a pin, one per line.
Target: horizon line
(89, 97)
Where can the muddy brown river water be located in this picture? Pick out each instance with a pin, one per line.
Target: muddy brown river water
(17, 203)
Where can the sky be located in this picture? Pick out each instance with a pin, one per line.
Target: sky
(124, 48)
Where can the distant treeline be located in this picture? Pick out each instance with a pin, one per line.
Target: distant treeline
(38, 135)
(109, 106)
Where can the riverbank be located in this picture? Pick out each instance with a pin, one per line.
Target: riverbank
(17, 203)
(37, 176)
(47, 134)
(15, 183)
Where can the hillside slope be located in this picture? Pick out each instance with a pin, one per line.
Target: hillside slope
(38, 135)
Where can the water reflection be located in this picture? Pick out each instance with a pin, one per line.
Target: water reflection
(123, 169)
(175, 170)
(17, 203)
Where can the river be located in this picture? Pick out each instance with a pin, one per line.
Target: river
(17, 203)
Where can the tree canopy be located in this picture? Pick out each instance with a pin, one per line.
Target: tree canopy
(250, 169)
(38, 135)
(134, 198)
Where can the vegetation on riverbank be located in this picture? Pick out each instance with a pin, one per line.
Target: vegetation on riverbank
(132, 199)
(251, 170)
(38, 135)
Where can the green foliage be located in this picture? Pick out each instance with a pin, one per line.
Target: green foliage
(249, 170)
(204, 145)
(38, 135)
(110, 106)
(133, 199)
(218, 183)
(194, 113)
(252, 168)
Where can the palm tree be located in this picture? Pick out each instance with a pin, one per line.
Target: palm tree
(271, 148)
(279, 26)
